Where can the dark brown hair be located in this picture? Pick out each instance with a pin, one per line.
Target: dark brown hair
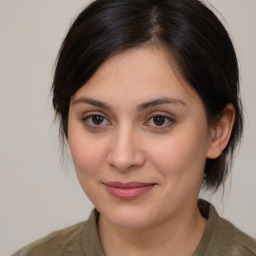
(190, 31)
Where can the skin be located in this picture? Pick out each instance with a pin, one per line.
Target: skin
(114, 137)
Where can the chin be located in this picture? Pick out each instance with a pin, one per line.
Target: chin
(129, 217)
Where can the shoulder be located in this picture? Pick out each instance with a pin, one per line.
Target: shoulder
(78, 240)
(222, 238)
(60, 242)
(232, 240)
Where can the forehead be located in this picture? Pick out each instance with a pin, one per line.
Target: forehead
(138, 73)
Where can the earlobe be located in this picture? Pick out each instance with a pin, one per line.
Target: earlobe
(221, 133)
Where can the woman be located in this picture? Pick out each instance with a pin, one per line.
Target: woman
(147, 93)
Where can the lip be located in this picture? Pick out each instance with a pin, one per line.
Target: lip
(128, 191)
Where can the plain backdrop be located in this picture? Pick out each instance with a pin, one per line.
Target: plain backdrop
(39, 194)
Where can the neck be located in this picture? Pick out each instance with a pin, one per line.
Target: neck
(166, 238)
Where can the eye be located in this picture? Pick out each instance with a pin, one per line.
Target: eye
(95, 120)
(159, 121)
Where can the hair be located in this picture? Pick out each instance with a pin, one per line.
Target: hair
(189, 31)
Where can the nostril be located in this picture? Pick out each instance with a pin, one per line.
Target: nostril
(126, 161)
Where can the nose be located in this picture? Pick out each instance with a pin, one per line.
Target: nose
(125, 151)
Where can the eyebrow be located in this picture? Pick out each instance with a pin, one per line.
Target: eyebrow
(91, 102)
(140, 107)
(160, 101)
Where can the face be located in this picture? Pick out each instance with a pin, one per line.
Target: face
(139, 139)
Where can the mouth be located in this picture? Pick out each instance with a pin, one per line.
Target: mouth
(128, 191)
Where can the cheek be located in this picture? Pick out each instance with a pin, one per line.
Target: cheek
(180, 154)
(87, 159)
(86, 156)
(87, 152)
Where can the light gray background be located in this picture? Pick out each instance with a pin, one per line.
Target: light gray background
(36, 195)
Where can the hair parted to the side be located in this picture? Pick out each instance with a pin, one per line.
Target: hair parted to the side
(191, 33)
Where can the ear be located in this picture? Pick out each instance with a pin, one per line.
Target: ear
(220, 134)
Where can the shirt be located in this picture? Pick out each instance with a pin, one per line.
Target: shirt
(220, 238)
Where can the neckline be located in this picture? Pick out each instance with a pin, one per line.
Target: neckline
(208, 211)
(91, 240)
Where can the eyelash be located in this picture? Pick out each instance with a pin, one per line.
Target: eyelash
(168, 121)
(87, 120)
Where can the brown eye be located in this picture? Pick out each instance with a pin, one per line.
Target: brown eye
(97, 120)
(159, 120)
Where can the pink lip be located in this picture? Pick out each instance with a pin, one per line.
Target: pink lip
(127, 191)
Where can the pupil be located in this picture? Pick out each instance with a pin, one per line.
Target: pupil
(159, 120)
(97, 119)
